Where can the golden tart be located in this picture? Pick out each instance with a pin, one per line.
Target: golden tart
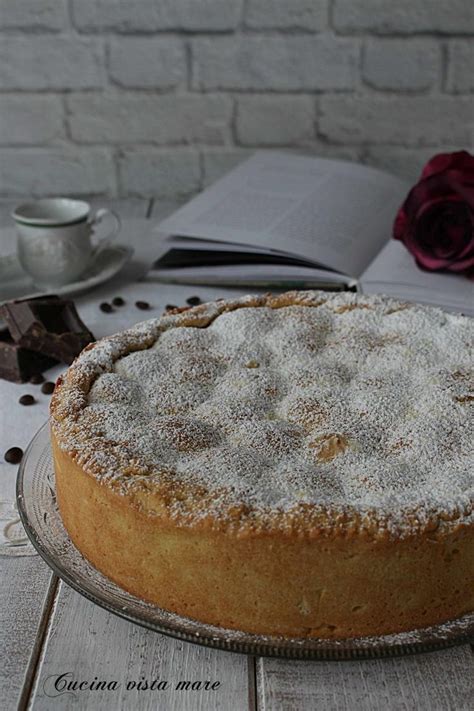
(295, 464)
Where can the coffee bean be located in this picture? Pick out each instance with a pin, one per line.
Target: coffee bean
(105, 307)
(193, 300)
(118, 301)
(37, 379)
(142, 305)
(13, 455)
(27, 400)
(170, 307)
(47, 388)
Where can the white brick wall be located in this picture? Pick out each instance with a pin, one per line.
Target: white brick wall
(275, 120)
(284, 15)
(47, 15)
(281, 63)
(147, 62)
(460, 76)
(156, 15)
(400, 64)
(160, 97)
(51, 62)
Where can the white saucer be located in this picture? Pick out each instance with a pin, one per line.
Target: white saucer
(17, 284)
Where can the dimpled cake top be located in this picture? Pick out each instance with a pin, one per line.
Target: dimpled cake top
(339, 411)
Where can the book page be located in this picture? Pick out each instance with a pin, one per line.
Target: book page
(334, 213)
(264, 276)
(187, 252)
(394, 272)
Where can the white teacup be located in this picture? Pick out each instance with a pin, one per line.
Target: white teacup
(54, 239)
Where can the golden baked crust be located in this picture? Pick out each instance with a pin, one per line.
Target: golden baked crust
(204, 547)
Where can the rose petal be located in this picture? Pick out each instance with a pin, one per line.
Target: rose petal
(445, 229)
(436, 220)
(446, 186)
(461, 160)
(437, 164)
(460, 265)
(430, 264)
(400, 224)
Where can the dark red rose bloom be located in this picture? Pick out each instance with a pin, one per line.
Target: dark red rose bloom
(436, 221)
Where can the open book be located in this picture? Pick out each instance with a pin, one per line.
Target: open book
(285, 221)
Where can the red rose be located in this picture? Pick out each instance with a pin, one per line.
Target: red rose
(436, 221)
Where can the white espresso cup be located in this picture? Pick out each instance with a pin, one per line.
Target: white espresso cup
(54, 239)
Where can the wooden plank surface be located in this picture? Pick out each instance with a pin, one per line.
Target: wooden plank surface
(89, 642)
(439, 681)
(24, 583)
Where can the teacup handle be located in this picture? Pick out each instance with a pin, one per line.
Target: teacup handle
(101, 215)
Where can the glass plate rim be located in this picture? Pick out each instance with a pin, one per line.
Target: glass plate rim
(234, 641)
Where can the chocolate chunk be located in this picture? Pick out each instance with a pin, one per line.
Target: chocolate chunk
(142, 305)
(105, 307)
(37, 379)
(47, 325)
(14, 455)
(19, 364)
(27, 400)
(47, 388)
(118, 301)
(193, 300)
(170, 307)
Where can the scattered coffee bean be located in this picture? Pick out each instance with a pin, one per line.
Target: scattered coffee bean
(13, 455)
(118, 301)
(47, 388)
(170, 307)
(27, 400)
(105, 307)
(37, 379)
(142, 305)
(193, 300)
(252, 364)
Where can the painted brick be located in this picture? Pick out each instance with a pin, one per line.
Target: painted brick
(50, 63)
(277, 63)
(460, 75)
(161, 173)
(281, 14)
(404, 16)
(321, 149)
(404, 162)
(396, 115)
(217, 163)
(161, 119)
(47, 15)
(30, 119)
(63, 171)
(147, 62)
(275, 120)
(401, 64)
(409, 121)
(156, 15)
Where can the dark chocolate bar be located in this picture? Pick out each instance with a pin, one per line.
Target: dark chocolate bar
(18, 364)
(47, 325)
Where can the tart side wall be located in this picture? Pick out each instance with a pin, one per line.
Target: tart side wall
(267, 584)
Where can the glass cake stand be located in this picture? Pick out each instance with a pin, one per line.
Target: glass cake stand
(39, 513)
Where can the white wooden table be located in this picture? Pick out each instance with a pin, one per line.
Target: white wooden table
(46, 629)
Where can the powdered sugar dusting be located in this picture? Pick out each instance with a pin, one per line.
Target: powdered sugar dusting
(358, 403)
